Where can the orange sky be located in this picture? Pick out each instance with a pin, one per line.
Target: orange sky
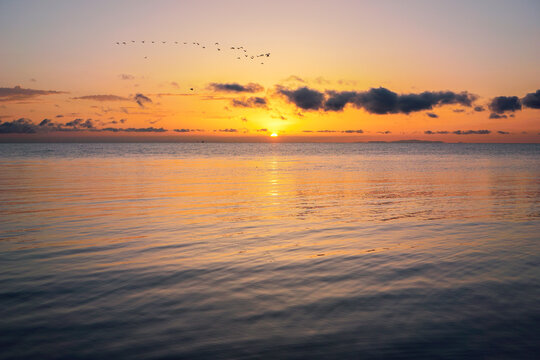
(62, 64)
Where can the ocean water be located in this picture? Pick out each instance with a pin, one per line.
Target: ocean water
(278, 251)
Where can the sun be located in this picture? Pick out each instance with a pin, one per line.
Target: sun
(273, 135)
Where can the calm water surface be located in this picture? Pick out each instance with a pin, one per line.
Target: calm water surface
(246, 251)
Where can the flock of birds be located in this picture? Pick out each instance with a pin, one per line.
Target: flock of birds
(239, 51)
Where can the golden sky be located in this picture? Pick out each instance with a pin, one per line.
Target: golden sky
(321, 70)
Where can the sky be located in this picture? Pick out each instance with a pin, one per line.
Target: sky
(453, 71)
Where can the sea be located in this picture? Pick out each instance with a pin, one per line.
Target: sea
(269, 251)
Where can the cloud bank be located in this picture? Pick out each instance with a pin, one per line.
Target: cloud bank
(375, 100)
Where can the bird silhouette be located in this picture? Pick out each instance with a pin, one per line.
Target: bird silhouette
(267, 54)
(117, 43)
(191, 89)
(142, 41)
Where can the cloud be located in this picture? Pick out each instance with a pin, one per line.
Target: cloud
(262, 130)
(532, 100)
(141, 99)
(148, 129)
(126, 77)
(19, 126)
(501, 104)
(429, 132)
(182, 130)
(235, 87)
(458, 110)
(353, 131)
(384, 132)
(497, 116)
(101, 98)
(17, 93)
(479, 108)
(503, 132)
(228, 130)
(26, 126)
(303, 97)
(251, 102)
(432, 115)
(472, 132)
(375, 100)
(80, 123)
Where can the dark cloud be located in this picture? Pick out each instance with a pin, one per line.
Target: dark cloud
(182, 130)
(353, 131)
(17, 93)
(19, 126)
(479, 108)
(262, 130)
(303, 97)
(234, 87)
(497, 116)
(501, 104)
(81, 124)
(459, 110)
(228, 130)
(532, 100)
(101, 98)
(384, 132)
(148, 129)
(432, 115)
(326, 131)
(336, 101)
(472, 132)
(59, 116)
(26, 126)
(141, 99)
(503, 132)
(429, 132)
(251, 102)
(375, 100)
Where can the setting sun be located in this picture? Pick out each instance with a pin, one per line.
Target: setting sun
(273, 135)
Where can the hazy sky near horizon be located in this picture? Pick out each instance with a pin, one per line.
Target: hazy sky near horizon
(64, 57)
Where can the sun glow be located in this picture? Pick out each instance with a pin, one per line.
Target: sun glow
(273, 135)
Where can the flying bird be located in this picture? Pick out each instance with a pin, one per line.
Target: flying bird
(191, 89)
(267, 54)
